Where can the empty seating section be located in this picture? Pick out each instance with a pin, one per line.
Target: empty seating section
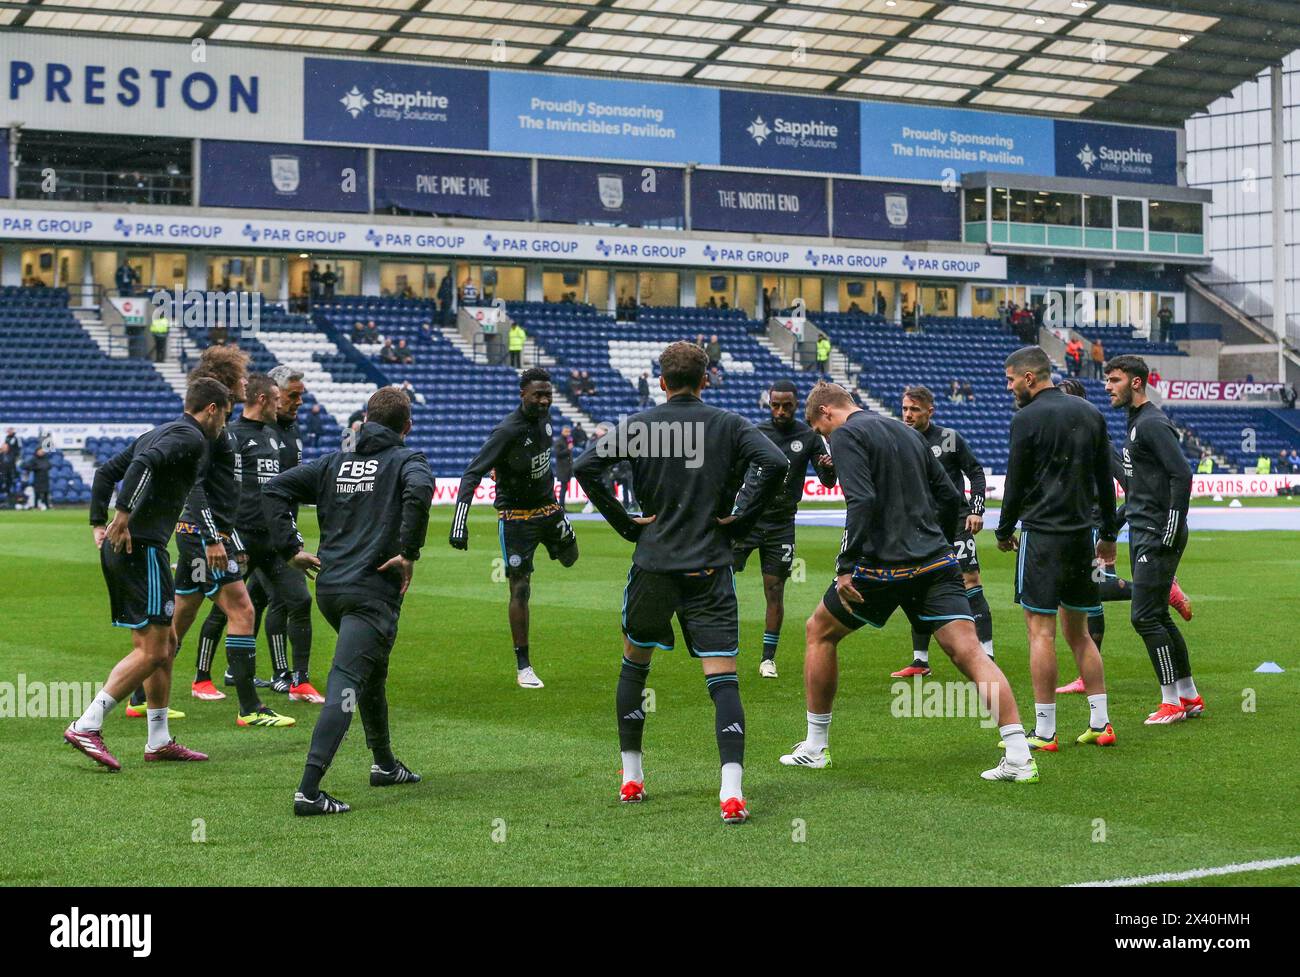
(463, 400)
(52, 372)
(1119, 340)
(960, 348)
(1241, 435)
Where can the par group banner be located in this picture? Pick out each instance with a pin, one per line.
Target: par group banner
(876, 211)
(282, 176)
(630, 196)
(725, 200)
(454, 185)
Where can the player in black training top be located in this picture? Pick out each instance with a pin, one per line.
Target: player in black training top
(773, 536)
(1060, 490)
(157, 473)
(688, 460)
(895, 554)
(373, 508)
(518, 454)
(1158, 485)
(960, 464)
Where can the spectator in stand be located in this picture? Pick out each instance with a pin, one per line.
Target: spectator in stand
(372, 331)
(714, 351)
(426, 332)
(1283, 464)
(358, 335)
(643, 390)
(562, 455)
(15, 445)
(126, 278)
(588, 384)
(715, 377)
(1037, 313)
(1074, 356)
(1206, 465)
(413, 395)
(967, 392)
(1294, 460)
(315, 425)
(764, 399)
(1004, 315)
(1264, 465)
(853, 309)
(1098, 358)
(328, 281)
(8, 475)
(517, 340)
(766, 306)
(723, 304)
(574, 384)
(314, 284)
(954, 391)
(579, 437)
(1154, 378)
(445, 290)
(404, 352)
(387, 354)
(712, 303)
(39, 466)
(468, 292)
(1165, 318)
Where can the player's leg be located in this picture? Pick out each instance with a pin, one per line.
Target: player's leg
(236, 606)
(519, 539)
(192, 584)
(1043, 673)
(1076, 628)
(649, 602)
(1097, 632)
(359, 647)
(710, 623)
(372, 702)
(1040, 570)
(979, 608)
(291, 602)
(774, 617)
(1153, 570)
(920, 656)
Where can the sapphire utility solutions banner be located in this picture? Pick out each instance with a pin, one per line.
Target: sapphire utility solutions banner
(388, 103)
(722, 200)
(607, 193)
(788, 132)
(895, 211)
(454, 185)
(1108, 152)
(282, 176)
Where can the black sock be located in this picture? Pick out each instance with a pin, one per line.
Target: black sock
(770, 640)
(239, 654)
(521, 657)
(298, 678)
(310, 784)
(979, 609)
(299, 632)
(920, 642)
(138, 696)
(629, 706)
(384, 757)
(1097, 629)
(728, 717)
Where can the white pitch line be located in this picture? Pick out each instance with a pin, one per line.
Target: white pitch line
(1196, 873)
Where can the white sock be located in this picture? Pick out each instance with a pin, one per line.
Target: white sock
(1013, 740)
(1169, 694)
(1045, 727)
(159, 736)
(632, 766)
(921, 655)
(1098, 714)
(92, 720)
(731, 774)
(819, 728)
(988, 647)
(1186, 688)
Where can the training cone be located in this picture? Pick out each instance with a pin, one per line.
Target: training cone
(1270, 668)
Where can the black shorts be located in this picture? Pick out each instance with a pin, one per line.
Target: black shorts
(1153, 567)
(140, 587)
(520, 530)
(775, 545)
(192, 572)
(963, 544)
(1058, 570)
(704, 602)
(930, 599)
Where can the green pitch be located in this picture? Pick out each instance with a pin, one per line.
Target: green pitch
(521, 786)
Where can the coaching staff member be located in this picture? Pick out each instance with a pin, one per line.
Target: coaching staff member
(372, 505)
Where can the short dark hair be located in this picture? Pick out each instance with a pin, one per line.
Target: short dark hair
(259, 385)
(784, 387)
(390, 407)
(534, 374)
(1074, 387)
(683, 366)
(921, 394)
(205, 391)
(1031, 359)
(1133, 366)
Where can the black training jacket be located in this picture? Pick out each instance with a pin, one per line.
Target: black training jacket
(372, 504)
(213, 503)
(802, 446)
(960, 464)
(518, 453)
(1157, 477)
(259, 451)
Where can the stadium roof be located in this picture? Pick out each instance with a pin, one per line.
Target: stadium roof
(1142, 61)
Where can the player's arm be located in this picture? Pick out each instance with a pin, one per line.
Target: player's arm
(1108, 531)
(1173, 463)
(590, 468)
(482, 463)
(947, 497)
(822, 463)
(1018, 475)
(299, 485)
(854, 468)
(106, 477)
(417, 495)
(766, 466)
(974, 472)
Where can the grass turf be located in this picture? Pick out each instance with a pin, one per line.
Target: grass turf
(520, 786)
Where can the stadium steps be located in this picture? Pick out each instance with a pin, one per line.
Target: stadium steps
(463, 345)
(844, 371)
(83, 464)
(113, 345)
(297, 350)
(170, 369)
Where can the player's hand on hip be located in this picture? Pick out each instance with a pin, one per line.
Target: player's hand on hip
(401, 564)
(848, 594)
(974, 523)
(1106, 551)
(1010, 544)
(309, 563)
(216, 556)
(99, 532)
(118, 533)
